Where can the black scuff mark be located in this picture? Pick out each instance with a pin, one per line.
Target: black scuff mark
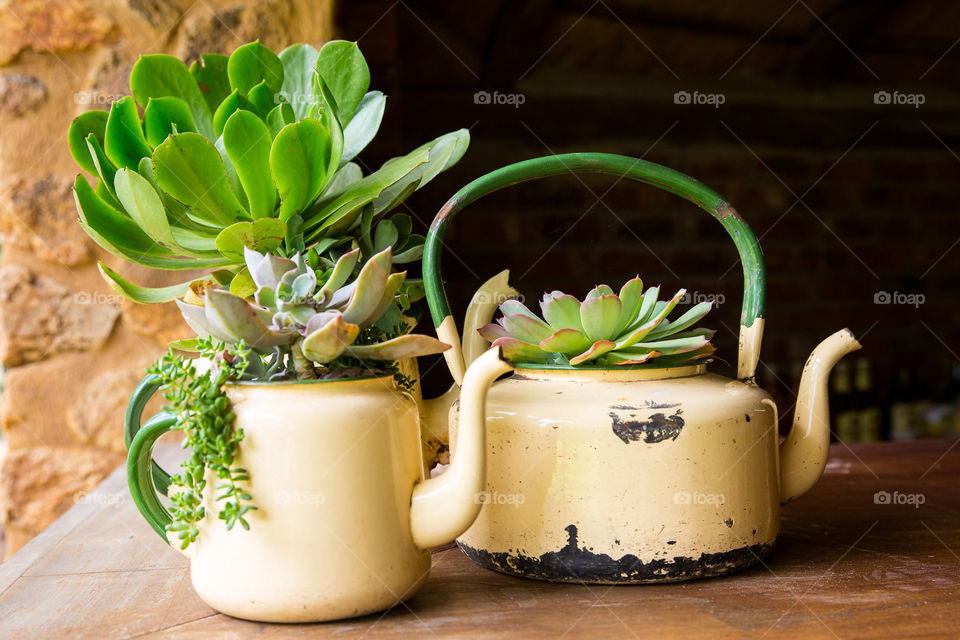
(573, 563)
(729, 523)
(656, 428)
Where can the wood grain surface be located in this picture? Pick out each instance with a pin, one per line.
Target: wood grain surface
(846, 566)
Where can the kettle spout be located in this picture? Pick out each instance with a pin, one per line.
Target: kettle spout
(803, 455)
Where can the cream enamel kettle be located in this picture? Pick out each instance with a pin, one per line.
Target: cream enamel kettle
(632, 474)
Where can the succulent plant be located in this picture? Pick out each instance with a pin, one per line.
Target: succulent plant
(604, 329)
(251, 150)
(301, 318)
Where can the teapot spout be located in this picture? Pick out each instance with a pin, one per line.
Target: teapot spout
(803, 455)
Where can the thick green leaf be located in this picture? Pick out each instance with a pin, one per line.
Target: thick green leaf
(279, 117)
(692, 316)
(526, 328)
(561, 311)
(253, 63)
(189, 168)
(517, 351)
(348, 175)
(263, 99)
(159, 75)
(123, 138)
(385, 235)
(164, 116)
(247, 142)
(104, 168)
(364, 125)
(566, 341)
(242, 284)
(600, 316)
(210, 74)
(231, 172)
(176, 213)
(631, 299)
(143, 204)
(328, 211)
(299, 63)
(121, 236)
(344, 71)
(444, 152)
(85, 124)
(230, 105)
(299, 159)
(143, 295)
(263, 235)
(596, 350)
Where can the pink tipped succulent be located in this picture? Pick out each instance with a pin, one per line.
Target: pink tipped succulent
(604, 329)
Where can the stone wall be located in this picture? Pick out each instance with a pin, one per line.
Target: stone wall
(73, 350)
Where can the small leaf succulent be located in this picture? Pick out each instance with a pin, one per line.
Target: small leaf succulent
(307, 317)
(252, 150)
(605, 329)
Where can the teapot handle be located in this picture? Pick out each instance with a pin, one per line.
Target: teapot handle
(751, 257)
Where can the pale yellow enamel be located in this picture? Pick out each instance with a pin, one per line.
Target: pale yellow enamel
(333, 466)
(483, 306)
(803, 454)
(749, 349)
(443, 507)
(553, 460)
(447, 332)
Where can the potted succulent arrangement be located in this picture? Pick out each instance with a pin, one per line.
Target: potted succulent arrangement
(298, 397)
(614, 456)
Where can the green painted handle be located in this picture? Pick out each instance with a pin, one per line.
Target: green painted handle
(144, 476)
(133, 419)
(615, 165)
(140, 478)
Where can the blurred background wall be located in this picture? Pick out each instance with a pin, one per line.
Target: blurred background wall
(831, 125)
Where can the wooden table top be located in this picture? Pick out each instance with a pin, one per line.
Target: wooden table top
(844, 567)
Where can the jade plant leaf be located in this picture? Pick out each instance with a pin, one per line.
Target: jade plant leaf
(123, 138)
(87, 123)
(189, 168)
(164, 116)
(253, 63)
(364, 125)
(210, 74)
(344, 71)
(142, 295)
(299, 64)
(299, 159)
(247, 142)
(262, 235)
(159, 75)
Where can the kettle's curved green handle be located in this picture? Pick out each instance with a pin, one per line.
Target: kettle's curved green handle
(144, 476)
(751, 257)
(141, 479)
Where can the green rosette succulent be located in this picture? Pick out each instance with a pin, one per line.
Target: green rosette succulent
(605, 329)
(302, 315)
(251, 150)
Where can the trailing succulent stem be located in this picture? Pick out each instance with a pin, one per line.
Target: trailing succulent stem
(204, 414)
(605, 329)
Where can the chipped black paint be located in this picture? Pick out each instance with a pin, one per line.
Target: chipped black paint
(657, 428)
(575, 564)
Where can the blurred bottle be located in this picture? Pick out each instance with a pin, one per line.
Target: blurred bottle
(901, 408)
(843, 404)
(868, 411)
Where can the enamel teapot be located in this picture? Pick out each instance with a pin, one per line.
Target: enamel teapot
(630, 474)
(346, 511)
